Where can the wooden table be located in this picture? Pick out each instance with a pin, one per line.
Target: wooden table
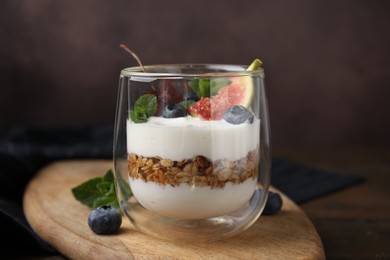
(353, 223)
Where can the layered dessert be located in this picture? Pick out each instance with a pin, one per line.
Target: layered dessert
(194, 158)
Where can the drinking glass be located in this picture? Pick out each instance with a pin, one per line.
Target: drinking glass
(192, 149)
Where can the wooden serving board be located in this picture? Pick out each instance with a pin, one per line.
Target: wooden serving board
(59, 219)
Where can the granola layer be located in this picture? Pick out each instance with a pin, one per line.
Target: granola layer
(199, 170)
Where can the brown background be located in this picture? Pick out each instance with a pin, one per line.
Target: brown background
(327, 63)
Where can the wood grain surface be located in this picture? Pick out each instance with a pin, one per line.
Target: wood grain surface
(60, 220)
(353, 223)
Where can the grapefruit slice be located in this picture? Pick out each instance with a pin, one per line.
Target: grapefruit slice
(239, 92)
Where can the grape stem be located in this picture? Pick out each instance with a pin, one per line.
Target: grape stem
(134, 55)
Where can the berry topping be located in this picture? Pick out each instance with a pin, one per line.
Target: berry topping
(104, 220)
(212, 108)
(215, 99)
(166, 94)
(174, 110)
(237, 115)
(201, 109)
(273, 204)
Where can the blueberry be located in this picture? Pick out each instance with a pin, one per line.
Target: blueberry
(237, 115)
(104, 220)
(274, 203)
(174, 110)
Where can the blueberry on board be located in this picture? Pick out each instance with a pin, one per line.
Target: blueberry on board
(274, 203)
(174, 110)
(237, 115)
(104, 220)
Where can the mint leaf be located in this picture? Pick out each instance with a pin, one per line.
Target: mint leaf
(194, 85)
(138, 116)
(201, 87)
(218, 83)
(87, 192)
(207, 87)
(204, 87)
(105, 187)
(100, 191)
(105, 201)
(146, 103)
(187, 103)
(124, 187)
(144, 107)
(109, 176)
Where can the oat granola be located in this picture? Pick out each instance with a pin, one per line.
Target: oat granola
(198, 171)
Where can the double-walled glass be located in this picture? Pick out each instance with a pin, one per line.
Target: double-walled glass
(192, 149)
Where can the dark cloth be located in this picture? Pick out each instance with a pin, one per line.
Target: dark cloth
(302, 183)
(28, 148)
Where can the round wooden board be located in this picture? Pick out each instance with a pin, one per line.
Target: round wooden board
(59, 219)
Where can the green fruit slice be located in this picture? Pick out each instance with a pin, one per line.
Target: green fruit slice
(255, 65)
(238, 92)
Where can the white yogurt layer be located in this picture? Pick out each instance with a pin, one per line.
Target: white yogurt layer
(192, 202)
(185, 137)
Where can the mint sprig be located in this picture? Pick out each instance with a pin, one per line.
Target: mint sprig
(100, 191)
(144, 107)
(201, 87)
(207, 87)
(186, 103)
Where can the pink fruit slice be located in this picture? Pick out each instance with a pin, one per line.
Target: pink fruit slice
(239, 92)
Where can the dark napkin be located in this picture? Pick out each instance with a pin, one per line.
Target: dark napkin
(25, 149)
(302, 183)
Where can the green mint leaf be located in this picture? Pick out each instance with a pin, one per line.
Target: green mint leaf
(98, 191)
(204, 87)
(138, 117)
(109, 176)
(146, 104)
(218, 83)
(87, 192)
(124, 187)
(187, 103)
(194, 85)
(201, 87)
(106, 188)
(105, 201)
(144, 107)
(208, 87)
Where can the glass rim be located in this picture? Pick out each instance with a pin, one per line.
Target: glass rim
(227, 70)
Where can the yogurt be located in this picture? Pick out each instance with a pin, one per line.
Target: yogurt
(192, 202)
(184, 139)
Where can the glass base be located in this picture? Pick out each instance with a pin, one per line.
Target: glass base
(212, 229)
